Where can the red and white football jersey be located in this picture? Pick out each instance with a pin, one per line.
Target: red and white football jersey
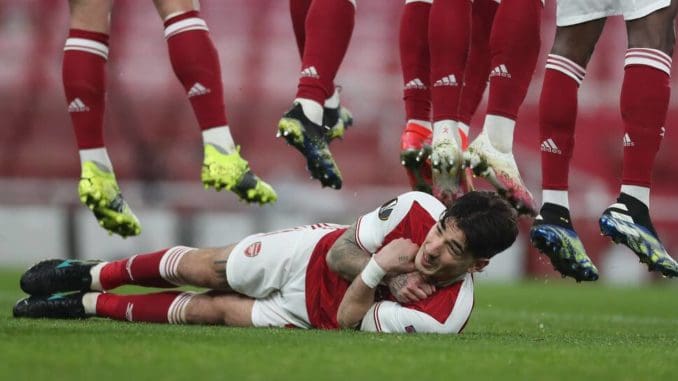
(411, 216)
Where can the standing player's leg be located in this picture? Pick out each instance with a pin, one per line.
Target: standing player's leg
(415, 141)
(644, 103)
(298, 12)
(449, 38)
(335, 116)
(329, 25)
(476, 73)
(196, 64)
(84, 79)
(514, 45)
(478, 64)
(552, 232)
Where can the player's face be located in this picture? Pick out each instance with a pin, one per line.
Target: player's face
(443, 255)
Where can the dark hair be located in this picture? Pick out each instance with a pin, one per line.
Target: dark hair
(488, 221)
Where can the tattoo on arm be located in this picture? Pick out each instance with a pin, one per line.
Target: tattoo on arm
(345, 257)
(396, 284)
(220, 269)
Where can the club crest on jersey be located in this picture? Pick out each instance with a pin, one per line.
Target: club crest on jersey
(386, 209)
(253, 249)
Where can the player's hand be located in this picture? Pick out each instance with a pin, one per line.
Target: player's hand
(397, 256)
(410, 287)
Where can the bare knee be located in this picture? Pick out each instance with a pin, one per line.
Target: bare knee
(91, 15)
(168, 8)
(577, 42)
(220, 308)
(654, 31)
(205, 268)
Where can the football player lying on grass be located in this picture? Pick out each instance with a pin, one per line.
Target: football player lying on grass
(404, 267)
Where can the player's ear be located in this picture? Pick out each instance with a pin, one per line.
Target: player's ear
(478, 265)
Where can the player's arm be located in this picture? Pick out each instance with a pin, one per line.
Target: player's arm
(451, 308)
(396, 257)
(352, 250)
(392, 317)
(346, 257)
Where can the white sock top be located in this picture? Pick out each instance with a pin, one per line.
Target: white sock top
(89, 301)
(95, 274)
(500, 132)
(312, 109)
(641, 193)
(99, 155)
(558, 197)
(220, 137)
(333, 100)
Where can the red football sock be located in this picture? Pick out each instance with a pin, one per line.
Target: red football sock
(644, 102)
(514, 45)
(162, 307)
(449, 34)
(478, 64)
(557, 117)
(415, 60)
(298, 11)
(329, 25)
(84, 78)
(157, 269)
(196, 63)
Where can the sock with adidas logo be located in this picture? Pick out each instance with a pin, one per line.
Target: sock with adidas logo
(328, 30)
(478, 63)
(84, 80)
(299, 11)
(514, 45)
(156, 269)
(449, 39)
(557, 118)
(644, 103)
(159, 307)
(196, 64)
(414, 59)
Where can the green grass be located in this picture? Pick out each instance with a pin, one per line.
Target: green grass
(527, 331)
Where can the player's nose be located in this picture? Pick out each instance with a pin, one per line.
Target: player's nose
(435, 245)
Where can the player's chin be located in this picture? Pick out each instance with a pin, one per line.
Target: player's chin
(424, 270)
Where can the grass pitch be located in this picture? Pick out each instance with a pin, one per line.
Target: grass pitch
(528, 331)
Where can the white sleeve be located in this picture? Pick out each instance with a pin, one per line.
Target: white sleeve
(373, 227)
(391, 317)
